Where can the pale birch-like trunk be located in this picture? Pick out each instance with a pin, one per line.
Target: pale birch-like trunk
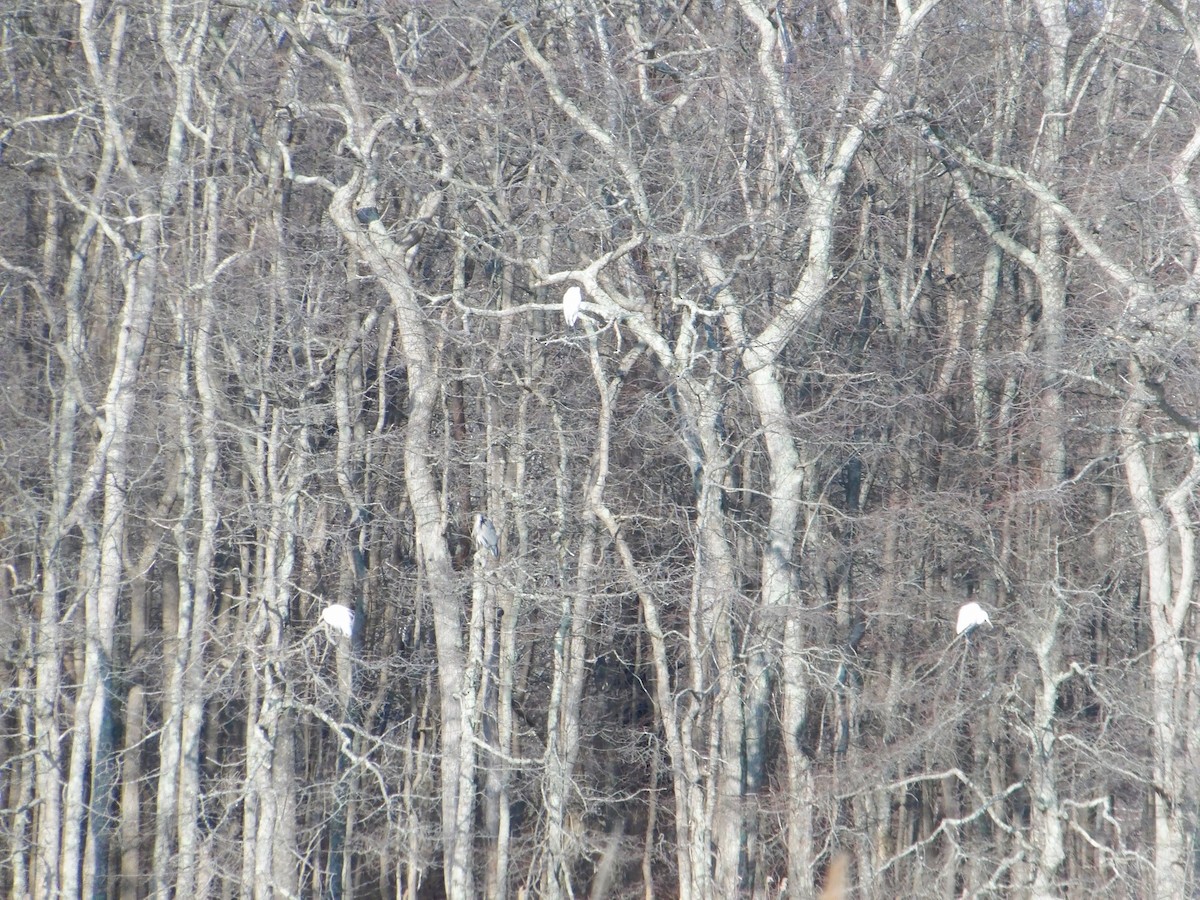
(107, 472)
(1047, 816)
(100, 608)
(715, 667)
(195, 673)
(351, 430)
(823, 190)
(269, 859)
(178, 794)
(1168, 530)
(570, 658)
(100, 611)
(48, 821)
(58, 861)
(501, 614)
(508, 446)
(133, 875)
(391, 262)
(705, 742)
(458, 685)
(177, 645)
(16, 796)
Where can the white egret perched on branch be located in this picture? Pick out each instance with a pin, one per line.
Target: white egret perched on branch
(484, 533)
(339, 618)
(572, 301)
(971, 616)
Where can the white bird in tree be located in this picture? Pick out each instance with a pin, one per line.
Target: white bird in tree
(572, 301)
(339, 618)
(485, 535)
(971, 616)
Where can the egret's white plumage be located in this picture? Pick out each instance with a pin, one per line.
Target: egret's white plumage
(572, 301)
(971, 616)
(485, 535)
(339, 618)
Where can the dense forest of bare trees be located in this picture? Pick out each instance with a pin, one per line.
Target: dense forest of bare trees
(886, 307)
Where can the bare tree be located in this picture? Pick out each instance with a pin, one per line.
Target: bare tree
(882, 308)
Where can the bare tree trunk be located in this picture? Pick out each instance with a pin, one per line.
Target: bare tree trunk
(1047, 825)
(1169, 534)
(177, 644)
(391, 261)
(59, 820)
(570, 659)
(48, 646)
(16, 795)
(348, 391)
(131, 882)
(715, 664)
(457, 688)
(269, 859)
(195, 686)
(96, 693)
(107, 472)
